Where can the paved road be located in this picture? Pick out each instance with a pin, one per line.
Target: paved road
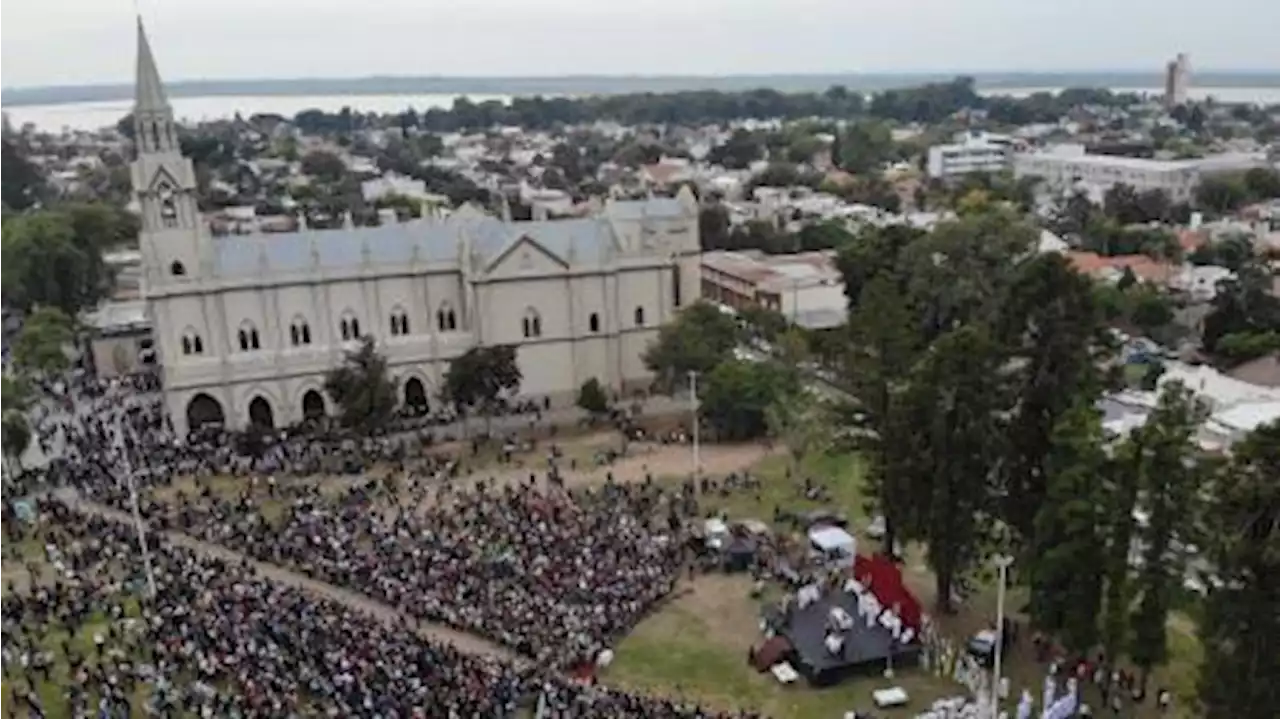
(468, 643)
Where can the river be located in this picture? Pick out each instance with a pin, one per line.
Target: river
(93, 115)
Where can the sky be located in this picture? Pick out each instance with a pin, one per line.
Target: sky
(72, 42)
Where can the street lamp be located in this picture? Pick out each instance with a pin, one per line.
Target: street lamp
(1002, 563)
(133, 500)
(693, 408)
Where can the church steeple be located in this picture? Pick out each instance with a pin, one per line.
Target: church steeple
(152, 116)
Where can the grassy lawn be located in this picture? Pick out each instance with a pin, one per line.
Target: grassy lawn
(696, 646)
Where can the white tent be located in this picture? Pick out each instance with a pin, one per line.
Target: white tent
(835, 543)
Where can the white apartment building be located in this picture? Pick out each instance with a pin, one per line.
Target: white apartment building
(979, 152)
(1064, 167)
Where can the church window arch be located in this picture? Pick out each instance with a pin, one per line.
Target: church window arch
(399, 322)
(249, 338)
(532, 323)
(639, 317)
(594, 322)
(177, 269)
(349, 326)
(191, 342)
(446, 318)
(299, 332)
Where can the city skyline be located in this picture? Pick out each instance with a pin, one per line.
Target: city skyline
(77, 42)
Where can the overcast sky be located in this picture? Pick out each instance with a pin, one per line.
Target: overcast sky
(55, 42)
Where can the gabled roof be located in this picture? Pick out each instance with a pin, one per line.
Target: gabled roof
(524, 239)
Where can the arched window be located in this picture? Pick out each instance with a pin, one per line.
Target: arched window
(639, 317)
(248, 336)
(532, 324)
(446, 318)
(399, 322)
(594, 322)
(349, 327)
(191, 344)
(177, 269)
(299, 332)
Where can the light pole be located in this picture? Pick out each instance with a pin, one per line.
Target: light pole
(693, 408)
(1002, 563)
(137, 512)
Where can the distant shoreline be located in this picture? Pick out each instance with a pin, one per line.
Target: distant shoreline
(596, 85)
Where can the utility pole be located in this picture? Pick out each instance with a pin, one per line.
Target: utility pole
(137, 511)
(1002, 563)
(693, 409)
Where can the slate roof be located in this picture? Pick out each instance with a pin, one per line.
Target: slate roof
(579, 241)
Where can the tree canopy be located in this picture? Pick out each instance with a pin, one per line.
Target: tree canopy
(362, 390)
(42, 343)
(700, 338)
(480, 376)
(53, 257)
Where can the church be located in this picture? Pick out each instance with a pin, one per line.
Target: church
(247, 326)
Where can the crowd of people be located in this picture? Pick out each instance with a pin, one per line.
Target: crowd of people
(218, 640)
(555, 575)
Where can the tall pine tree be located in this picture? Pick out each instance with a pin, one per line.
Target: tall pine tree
(1242, 615)
(1171, 480)
(957, 398)
(1066, 586)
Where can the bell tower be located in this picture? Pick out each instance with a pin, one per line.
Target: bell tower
(164, 182)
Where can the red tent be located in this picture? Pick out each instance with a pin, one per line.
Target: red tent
(885, 580)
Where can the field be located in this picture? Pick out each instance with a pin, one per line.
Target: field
(696, 646)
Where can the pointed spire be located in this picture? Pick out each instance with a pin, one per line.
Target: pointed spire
(149, 94)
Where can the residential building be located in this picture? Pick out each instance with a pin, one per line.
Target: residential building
(806, 288)
(1177, 78)
(247, 326)
(972, 152)
(1068, 167)
(392, 184)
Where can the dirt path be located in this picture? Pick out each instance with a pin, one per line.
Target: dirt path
(468, 643)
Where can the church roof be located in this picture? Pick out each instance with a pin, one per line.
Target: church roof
(149, 91)
(581, 242)
(657, 207)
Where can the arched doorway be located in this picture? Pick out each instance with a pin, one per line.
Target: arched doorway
(202, 411)
(312, 405)
(260, 414)
(415, 395)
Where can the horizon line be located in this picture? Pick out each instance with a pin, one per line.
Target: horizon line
(954, 73)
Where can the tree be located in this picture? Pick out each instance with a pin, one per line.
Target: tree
(738, 152)
(1052, 326)
(865, 146)
(1221, 194)
(1240, 620)
(801, 421)
(1171, 482)
(1150, 310)
(22, 184)
(1262, 183)
(882, 349)
(956, 398)
(45, 262)
(737, 393)
(324, 166)
(360, 387)
(592, 398)
(477, 379)
(1123, 486)
(41, 345)
(1069, 544)
(700, 338)
(713, 227)
(15, 430)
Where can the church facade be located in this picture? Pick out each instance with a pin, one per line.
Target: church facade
(248, 326)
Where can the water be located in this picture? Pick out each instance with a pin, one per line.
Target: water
(93, 115)
(1232, 95)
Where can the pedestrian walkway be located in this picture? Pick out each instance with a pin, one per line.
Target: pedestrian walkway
(464, 642)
